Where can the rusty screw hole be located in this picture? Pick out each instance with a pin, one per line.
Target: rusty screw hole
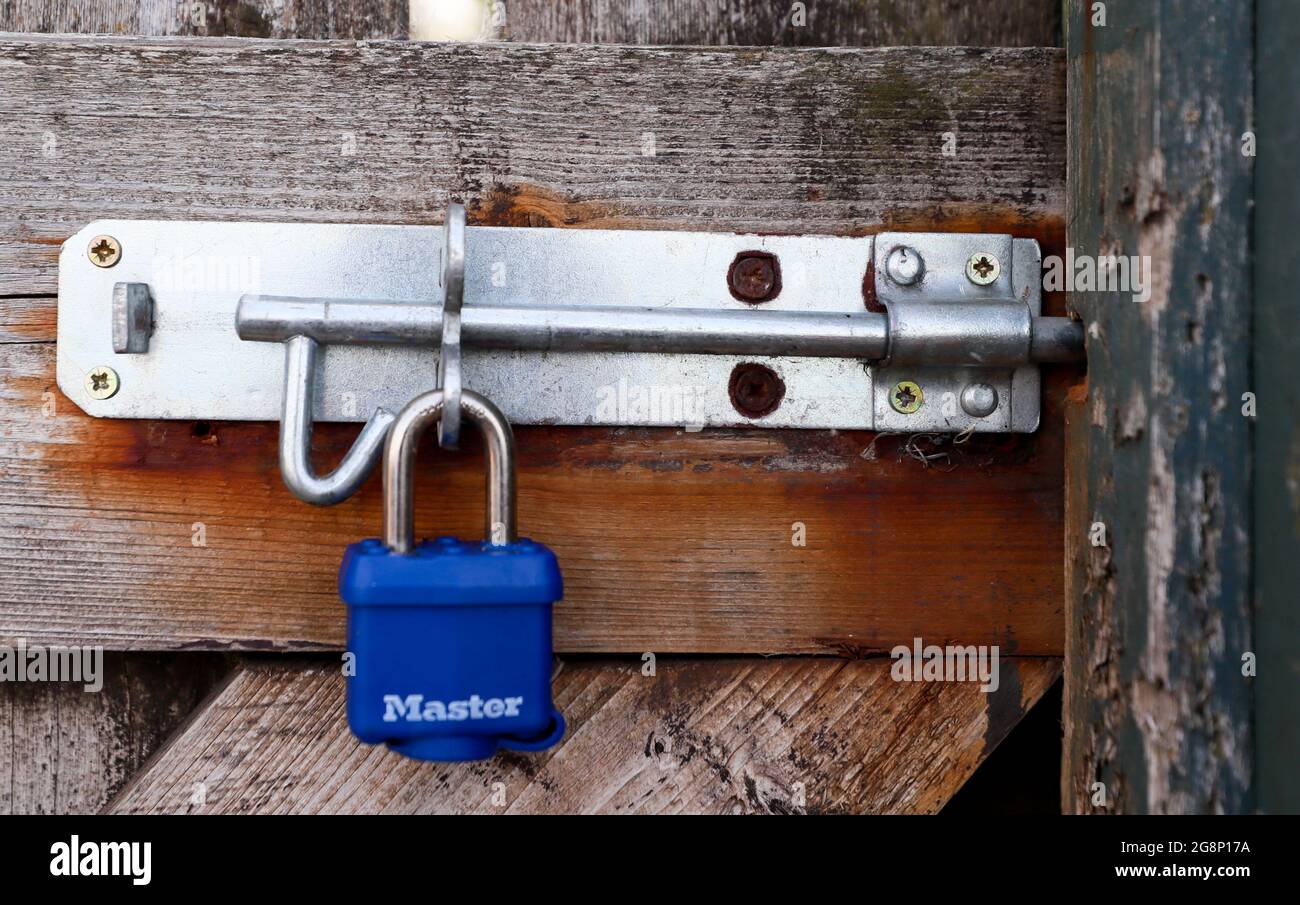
(754, 277)
(756, 390)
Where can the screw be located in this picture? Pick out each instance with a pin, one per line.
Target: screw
(983, 268)
(755, 276)
(906, 397)
(904, 265)
(102, 383)
(756, 390)
(104, 251)
(979, 400)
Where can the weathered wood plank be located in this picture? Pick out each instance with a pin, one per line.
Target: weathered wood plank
(1157, 708)
(670, 542)
(783, 140)
(347, 19)
(824, 23)
(28, 319)
(1277, 427)
(706, 736)
(67, 751)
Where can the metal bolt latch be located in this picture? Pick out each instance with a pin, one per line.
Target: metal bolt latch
(611, 327)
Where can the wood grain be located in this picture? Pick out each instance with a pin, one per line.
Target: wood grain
(824, 23)
(341, 19)
(700, 736)
(670, 542)
(1157, 708)
(67, 751)
(28, 319)
(766, 140)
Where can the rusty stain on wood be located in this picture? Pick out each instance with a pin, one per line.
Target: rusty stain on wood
(108, 509)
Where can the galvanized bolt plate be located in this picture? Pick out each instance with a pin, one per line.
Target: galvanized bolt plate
(102, 383)
(197, 367)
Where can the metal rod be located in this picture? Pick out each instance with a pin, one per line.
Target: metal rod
(295, 434)
(818, 334)
(399, 472)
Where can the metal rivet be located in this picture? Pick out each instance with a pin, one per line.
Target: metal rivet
(754, 276)
(906, 397)
(102, 383)
(904, 265)
(979, 400)
(983, 268)
(104, 251)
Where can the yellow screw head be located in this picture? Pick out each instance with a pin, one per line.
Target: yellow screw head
(906, 397)
(983, 268)
(101, 383)
(104, 251)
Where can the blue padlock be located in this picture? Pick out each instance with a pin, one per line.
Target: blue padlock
(452, 638)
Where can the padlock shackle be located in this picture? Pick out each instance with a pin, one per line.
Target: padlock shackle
(399, 468)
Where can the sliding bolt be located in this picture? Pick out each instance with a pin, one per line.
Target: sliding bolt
(104, 251)
(906, 397)
(983, 268)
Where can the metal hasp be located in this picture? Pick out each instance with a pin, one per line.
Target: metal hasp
(938, 332)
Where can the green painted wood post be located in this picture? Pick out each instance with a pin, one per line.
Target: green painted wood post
(1159, 614)
(1277, 423)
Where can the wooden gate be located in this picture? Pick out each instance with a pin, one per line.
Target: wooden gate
(175, 546)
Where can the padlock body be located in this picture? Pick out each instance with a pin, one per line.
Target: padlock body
(452, 647)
